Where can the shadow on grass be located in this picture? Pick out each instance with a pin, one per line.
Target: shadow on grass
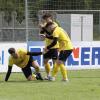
(25, 81)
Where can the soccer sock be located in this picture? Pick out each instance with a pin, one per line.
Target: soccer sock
(37, 69)
(47, 68)
(33, 76)
(63, 71)
(55, 70)
(38, 76)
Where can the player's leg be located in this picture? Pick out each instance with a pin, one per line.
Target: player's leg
(36, 66)
(55, 67)
(55, 70)
(62, 59)
(46, 58)
(28, 73)
(47, 67)
(63, 70)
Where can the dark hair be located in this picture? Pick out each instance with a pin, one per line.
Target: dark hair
(11, 50)
(47, 15)
(49, 24)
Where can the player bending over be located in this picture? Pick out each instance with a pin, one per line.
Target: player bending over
(65, 48)
(52, 53)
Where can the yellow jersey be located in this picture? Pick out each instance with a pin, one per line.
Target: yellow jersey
(49, 41)
(22, 59)
(63, 39)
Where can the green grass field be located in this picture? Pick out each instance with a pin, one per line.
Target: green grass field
(82, 85)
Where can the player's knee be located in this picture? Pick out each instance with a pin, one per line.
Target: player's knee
(45, 62)
(60, 62)
(30, 78)
(35, 64)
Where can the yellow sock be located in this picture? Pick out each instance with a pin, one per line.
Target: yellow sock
(47, 68)
(37, 69)
(33, 76)
(63, 71)
(55, 70)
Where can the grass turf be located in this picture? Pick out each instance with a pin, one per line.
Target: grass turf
(82, 85)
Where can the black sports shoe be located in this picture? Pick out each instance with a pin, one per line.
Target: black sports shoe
(38, 76)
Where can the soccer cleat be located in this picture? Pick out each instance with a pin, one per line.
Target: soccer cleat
(65, 80)
(52, 79)
(38, 76)
(47, 78)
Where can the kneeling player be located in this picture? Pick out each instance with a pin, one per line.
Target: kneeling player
(23, 59)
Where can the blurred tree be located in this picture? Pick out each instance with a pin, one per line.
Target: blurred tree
(34, 7)
(96, 4)
(71, 4)
(64, 4)
(8, 6)
(88, 4)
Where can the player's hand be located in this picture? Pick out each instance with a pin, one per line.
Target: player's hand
(42, 36)
(45, 50)
(41, 25)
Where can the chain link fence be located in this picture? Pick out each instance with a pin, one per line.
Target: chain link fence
(13, 16)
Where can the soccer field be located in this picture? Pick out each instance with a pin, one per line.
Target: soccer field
(82, 85)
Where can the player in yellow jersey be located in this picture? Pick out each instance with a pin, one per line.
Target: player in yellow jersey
(65, 48)
(23, 59)
(52, 53)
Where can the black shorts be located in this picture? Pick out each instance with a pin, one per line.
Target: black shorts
(27, 69)
(64, 55)
(51, 54)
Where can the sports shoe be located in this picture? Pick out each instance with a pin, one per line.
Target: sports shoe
(65, 80)
(38, 76)
(52, 79)
(47, 78)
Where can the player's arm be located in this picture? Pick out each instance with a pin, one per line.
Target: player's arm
(43, 30)
(34, 53)
(55, 39)
(49, 36)
(25, 52)
(8, 73)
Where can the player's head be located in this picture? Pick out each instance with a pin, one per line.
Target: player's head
(12, 52)
(47, 17)
(50, 27)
